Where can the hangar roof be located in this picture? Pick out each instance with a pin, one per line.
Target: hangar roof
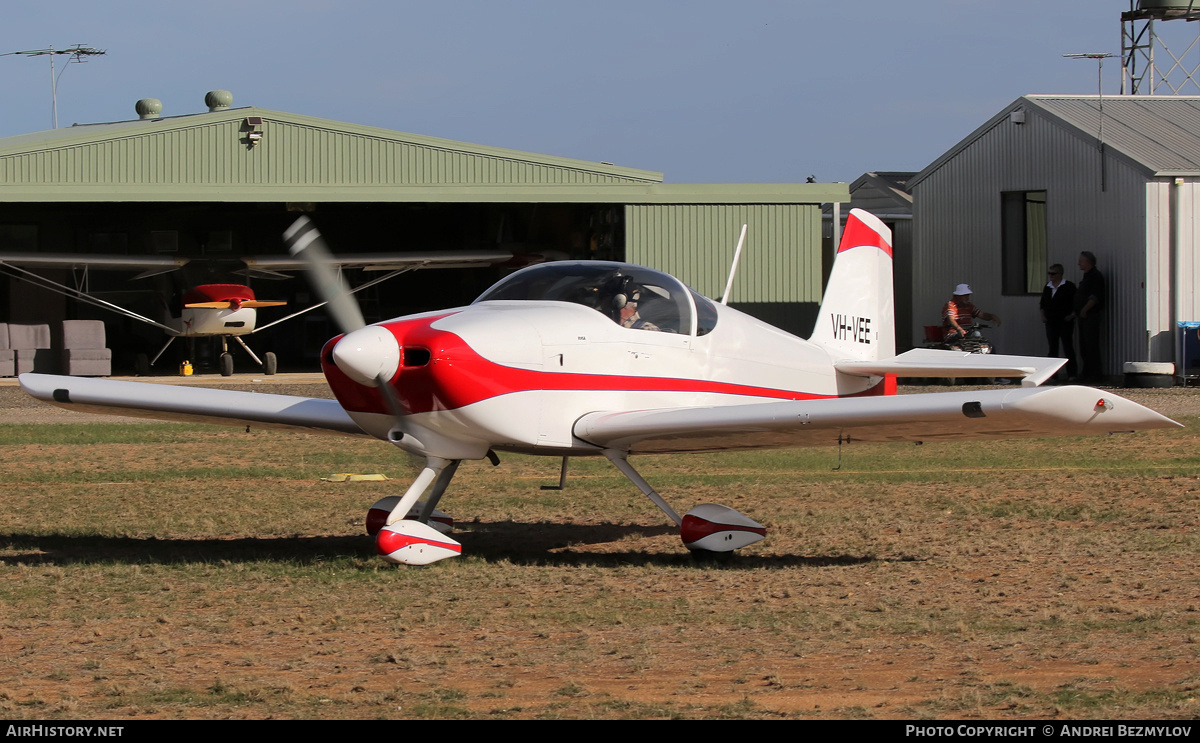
(213, 157)
(1160, 134)
(882, 192)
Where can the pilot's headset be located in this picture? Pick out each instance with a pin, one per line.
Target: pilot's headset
(623, 291)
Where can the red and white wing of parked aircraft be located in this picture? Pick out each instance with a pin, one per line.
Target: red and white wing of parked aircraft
(584, 358)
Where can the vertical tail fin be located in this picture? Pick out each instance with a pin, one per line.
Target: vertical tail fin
(857, 320)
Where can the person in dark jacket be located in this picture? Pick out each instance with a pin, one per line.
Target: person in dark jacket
(1058, 298)
(1088, 307)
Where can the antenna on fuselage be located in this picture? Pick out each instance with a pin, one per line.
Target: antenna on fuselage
(737, 254)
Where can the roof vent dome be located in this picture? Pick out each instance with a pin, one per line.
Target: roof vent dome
(148, 108)
(218, 100)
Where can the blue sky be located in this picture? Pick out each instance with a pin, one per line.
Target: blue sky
(754, 91)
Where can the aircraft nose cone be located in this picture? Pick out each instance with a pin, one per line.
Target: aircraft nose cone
(368, 353)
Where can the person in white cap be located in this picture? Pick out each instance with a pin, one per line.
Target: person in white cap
(958, 314)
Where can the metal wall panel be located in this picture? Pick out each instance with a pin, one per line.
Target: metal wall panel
(781, 260)
(1182, 197)
(1159, 309)
(1172, 261)
(1187, 227)
(957, 210)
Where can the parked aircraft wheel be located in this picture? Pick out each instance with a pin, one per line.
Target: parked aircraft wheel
(270, 363)
(226, 364)
(141, 365)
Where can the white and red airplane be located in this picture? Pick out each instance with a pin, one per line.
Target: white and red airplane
(583, 358)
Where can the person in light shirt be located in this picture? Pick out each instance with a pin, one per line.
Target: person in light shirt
(958, 315)
(1058, 299)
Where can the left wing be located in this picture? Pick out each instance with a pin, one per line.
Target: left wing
(191, 404)
(988, 414)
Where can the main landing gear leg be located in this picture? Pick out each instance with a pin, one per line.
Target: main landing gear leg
(226, 358)
(415, 542)
(268, 363)
(707, 527)
(618, 458)
(428, 508)
(154, 360)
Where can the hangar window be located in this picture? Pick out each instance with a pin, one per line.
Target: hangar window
(1023, 241)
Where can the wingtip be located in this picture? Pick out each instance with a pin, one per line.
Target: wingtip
(1118, 413)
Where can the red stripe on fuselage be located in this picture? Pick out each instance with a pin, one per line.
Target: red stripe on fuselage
(457, 376)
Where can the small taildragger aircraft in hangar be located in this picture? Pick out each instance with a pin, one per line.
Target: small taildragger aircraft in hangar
(585, 358)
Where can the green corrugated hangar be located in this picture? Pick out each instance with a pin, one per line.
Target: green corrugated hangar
(221, 186)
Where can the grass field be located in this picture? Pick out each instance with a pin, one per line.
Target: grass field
(170, 572)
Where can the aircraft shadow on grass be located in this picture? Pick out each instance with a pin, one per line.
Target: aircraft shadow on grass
(520, 543)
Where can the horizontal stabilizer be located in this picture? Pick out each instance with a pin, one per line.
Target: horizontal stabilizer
(929, 362)
(191, 404)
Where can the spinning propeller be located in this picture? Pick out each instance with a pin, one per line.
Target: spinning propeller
(368, 354)
(371, 356)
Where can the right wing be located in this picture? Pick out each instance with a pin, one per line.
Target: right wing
(191, 404)
(938, 416)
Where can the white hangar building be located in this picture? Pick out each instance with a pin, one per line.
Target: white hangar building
(1050, 176)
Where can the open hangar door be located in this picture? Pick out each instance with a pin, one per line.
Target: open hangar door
(215, 237)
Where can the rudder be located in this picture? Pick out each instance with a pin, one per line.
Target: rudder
(857, 317)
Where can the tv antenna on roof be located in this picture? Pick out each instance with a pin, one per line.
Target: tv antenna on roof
(1099, 57)
(76, 53)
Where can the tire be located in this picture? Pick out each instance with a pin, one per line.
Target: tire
(710, 557)
(141, 365)
(270, 364)
(226, 365)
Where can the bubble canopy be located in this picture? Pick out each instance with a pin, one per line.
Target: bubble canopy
(663, 302)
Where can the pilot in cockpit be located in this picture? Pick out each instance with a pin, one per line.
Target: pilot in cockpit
(628, 309)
